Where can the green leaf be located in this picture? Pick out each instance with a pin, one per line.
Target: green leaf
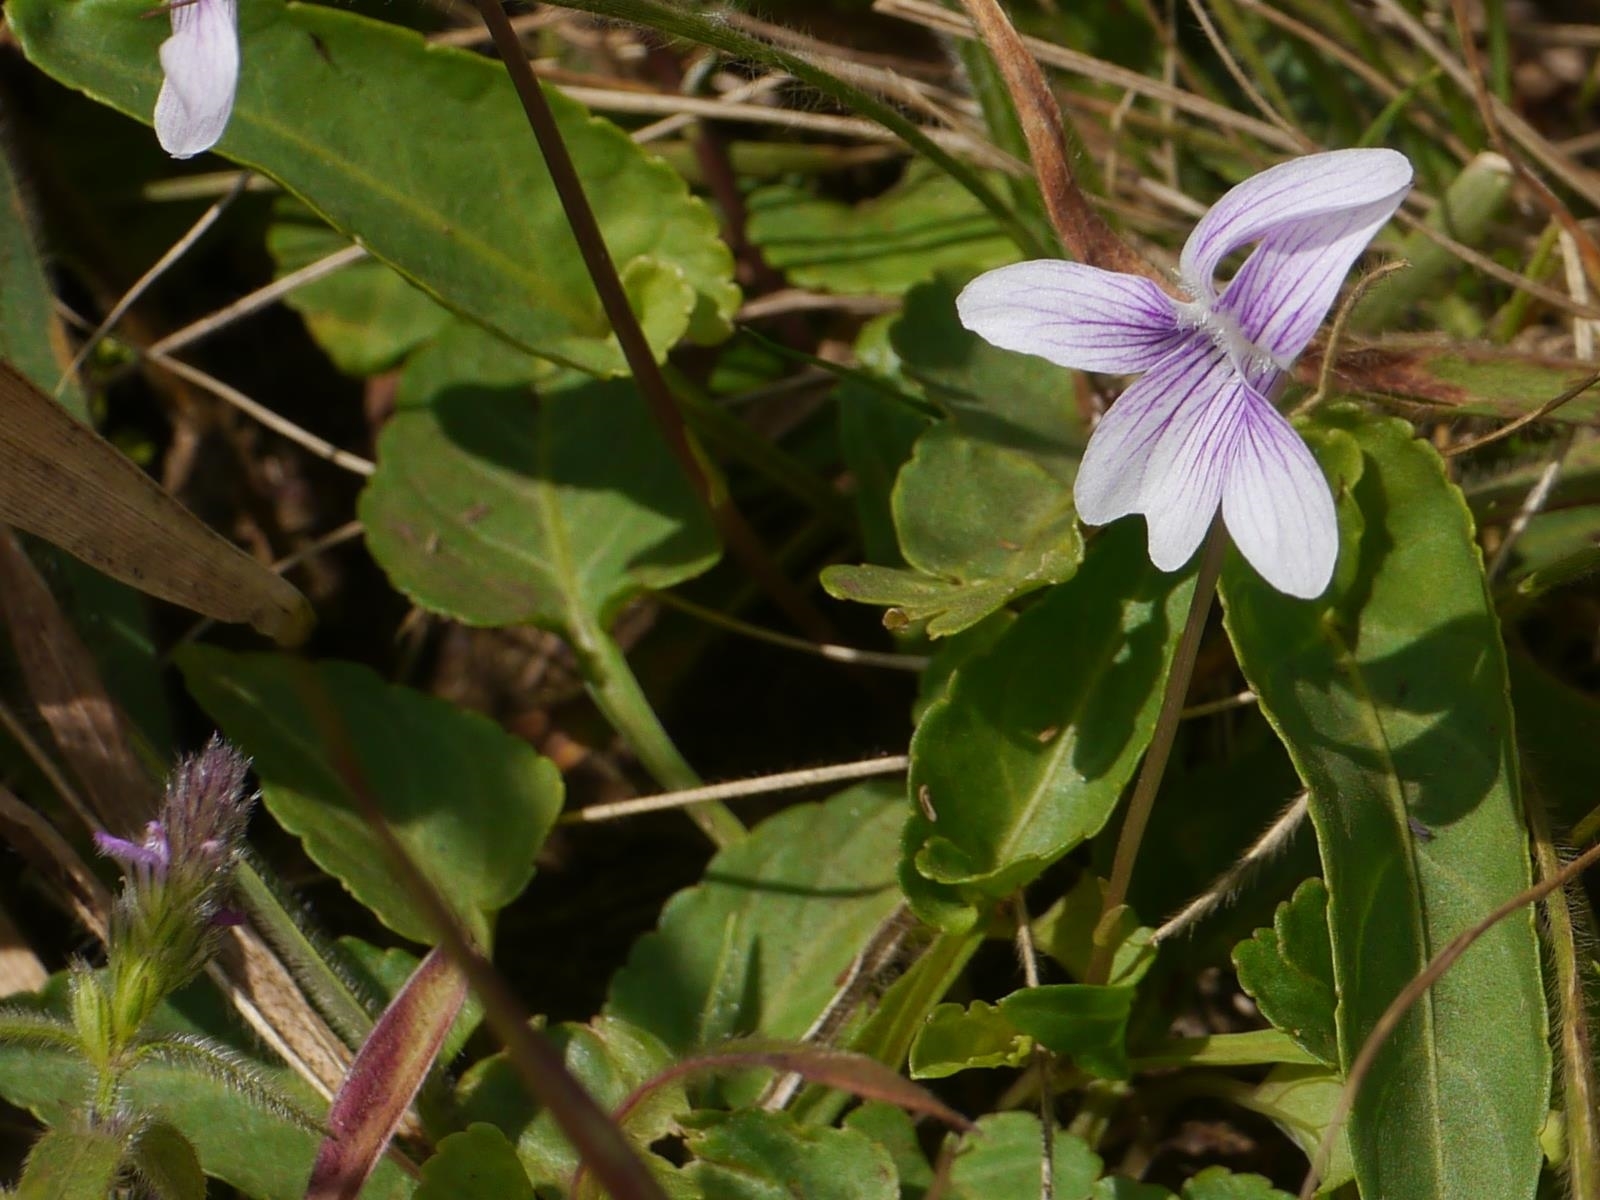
(383, 971)
(475, 1164)
(1391, 696)
(758, 947)
(499, 508)
(1555, 550)
(1018, 765)
(168, 1163)
(1555, 724)
(958, 1039)
(366, 315)
(894, 1130)
(979, 524)
(468, 214)
(1288, 971)
(469, 802)
(1301, 1101)
(924, 223)
(756, 1155)
(1066, 932)
(1002, 1161)
(610, 1058)
(1218, 1183)
(72, 1164)
(1080, 1021)
(1472, 380)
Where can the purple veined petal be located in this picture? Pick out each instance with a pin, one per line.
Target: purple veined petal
(1277, 504)
(1303, 191)
(1284, 290)
(1073, 315)
(201, 64)
(1162, 450)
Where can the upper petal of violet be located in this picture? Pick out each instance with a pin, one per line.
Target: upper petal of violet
(201, 64)
(1071, 314)
(1302, 192)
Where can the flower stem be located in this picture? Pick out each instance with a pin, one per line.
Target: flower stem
(736, 533)
(1155, 758)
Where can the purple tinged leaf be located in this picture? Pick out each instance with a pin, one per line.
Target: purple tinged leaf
(385, 1077)
(1073, 315)
(201, 64)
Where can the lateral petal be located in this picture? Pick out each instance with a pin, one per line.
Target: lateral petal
(1301, 191)
(201, 65)
(1162, 449)
(1071, 314)
(1277, 504)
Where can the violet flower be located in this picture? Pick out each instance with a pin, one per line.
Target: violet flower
(201, 66)
(1199, 429)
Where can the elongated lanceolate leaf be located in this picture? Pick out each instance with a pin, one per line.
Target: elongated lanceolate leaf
(424, 155)
(67, 484)
(1025, 755)
(1391, 696)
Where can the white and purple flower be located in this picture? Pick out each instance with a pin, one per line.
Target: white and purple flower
(200, 62)
(1199, 429)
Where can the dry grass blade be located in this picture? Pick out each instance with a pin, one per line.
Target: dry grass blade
(66, 484)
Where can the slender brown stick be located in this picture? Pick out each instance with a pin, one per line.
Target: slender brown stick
(736, 533)
(1155, 758)
(1083, 231)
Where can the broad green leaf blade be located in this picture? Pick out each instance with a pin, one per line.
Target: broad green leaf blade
(1079, 1021)
(498, 507)
(1288, 971)
(924, 223)
(471, 803)
(980, 525)
(959, 1039)
(330, 105)
(756, 1155)
(1218, 1183)
(1391, 697)
(475, 1164)
(894, 1130)
(1300, 1099)
(168, 1163)
(1026, 754)
(367, 316)
(611, 1059)
(1002, 1161)
(72, 1164)
(1066, 931)
(1468, 380)
(758, 947)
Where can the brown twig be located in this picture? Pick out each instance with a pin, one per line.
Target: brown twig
(736, 533)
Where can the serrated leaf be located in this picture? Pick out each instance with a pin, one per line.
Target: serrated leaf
(1019, 765)
(755, 1155)
(610, 1058)
(72, 1164)
(757, 948)
(471, 803)
(926, 222)
(470, 215)
(1288, 971)
(366, 316)
(1218, 1183)
(475, 1164)
(1391, 696)
(1082, 1022)
(957, 1038)
(498, 507)
(1002, 1161)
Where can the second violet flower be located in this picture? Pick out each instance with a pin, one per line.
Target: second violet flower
(1199, 429)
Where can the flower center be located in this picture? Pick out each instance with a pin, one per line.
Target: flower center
(1249, 359)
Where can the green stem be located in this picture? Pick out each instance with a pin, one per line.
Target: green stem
(721, 36)
(616, 691)
(1155, 758)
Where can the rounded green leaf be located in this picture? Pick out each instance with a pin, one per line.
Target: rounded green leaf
(1288, 970)
(499, 507)
(471, 803)
(755, 1155)
(332, 105)
(476, 1164)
